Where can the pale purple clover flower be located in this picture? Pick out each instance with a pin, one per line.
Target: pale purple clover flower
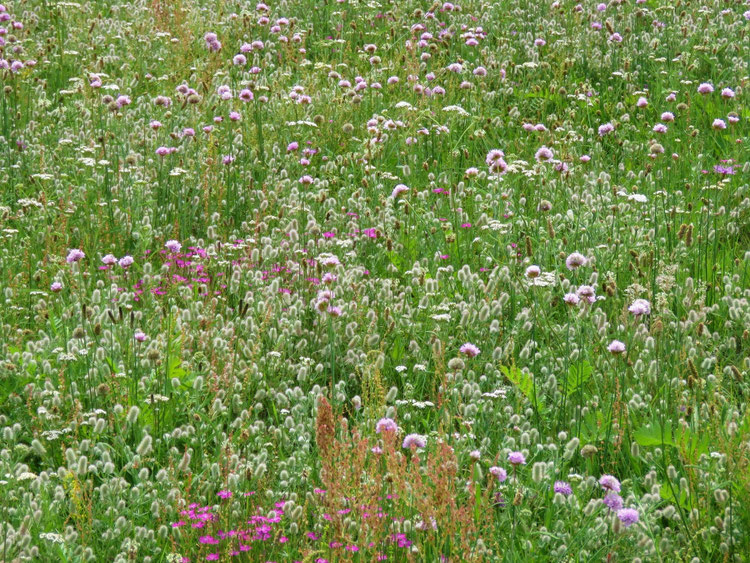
(727, 93)
(126, 261)
(516, 458)
(495, 162)
(719, 124)
(628, 516)
(74, 255)
(613, 501)
(544, 154)
(246, 95)
(705, 88)
(475, 455)
(533, 271)
(173, 246)
(667, 116)
(605, 129)
(139, 336)
(587, 292)
(109, 259)
(414, 441)
(386, 425)
(469, 350)
(562, 487)
(640, 307)
(56, 287)
(616, 347)
(642, 102)
(575, 260)
(398, 190)
(609, 483)
(660, 128)
(499, 473)
(571, 299)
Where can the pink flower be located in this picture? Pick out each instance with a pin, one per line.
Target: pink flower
(516, 458)
(75, 255)
(705, 88)
(398, 190)
(640, 307)
(469, 350)
(575, 260)
(628, 516)
(616, 347)
(499, 473)
(386, 425)
(609, 483)
(173, 246)
(544, 154)
(414, 441)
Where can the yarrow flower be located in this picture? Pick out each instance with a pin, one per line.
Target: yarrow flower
(414, 441)
(469, 349)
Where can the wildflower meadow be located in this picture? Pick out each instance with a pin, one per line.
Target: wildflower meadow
(371, 280)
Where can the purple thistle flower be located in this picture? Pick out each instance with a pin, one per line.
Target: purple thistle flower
(562, 487)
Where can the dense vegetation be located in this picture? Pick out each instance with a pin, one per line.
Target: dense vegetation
(362, 281)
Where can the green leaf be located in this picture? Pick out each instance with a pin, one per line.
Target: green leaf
(578, 374)
(524, 382)
(690, 445)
